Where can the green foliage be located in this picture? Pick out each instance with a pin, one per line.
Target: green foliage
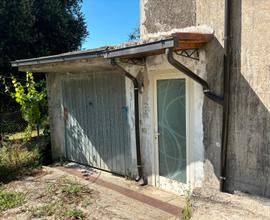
(66, 193)
(71, 189)
(32, 99)
(19, 159)
(134, 35)
(58, 209)
(187, 211)
(32, 28)
(68, 188)
(55, 208)
(9, 200)
(76, 214)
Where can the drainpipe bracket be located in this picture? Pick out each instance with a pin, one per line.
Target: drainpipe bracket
(222, 178)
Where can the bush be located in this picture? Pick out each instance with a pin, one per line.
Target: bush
(21, 158)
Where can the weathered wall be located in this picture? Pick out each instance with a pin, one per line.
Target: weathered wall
(211, 13)
(163, 15)
(157, 66)
(157, 16)
(248, 167)
(54, 91)
(249, 137)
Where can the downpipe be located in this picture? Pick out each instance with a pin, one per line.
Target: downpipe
(137, 126)
(227, 72)
(206, 89)
(223, 101)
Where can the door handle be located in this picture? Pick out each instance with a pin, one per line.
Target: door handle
(156, 135)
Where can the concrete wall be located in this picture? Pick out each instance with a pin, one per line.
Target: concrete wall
(249, 130)
(164, 15)
(56, 115)
(249, 136)
(158, 66)
(208, 113)
(211, 13)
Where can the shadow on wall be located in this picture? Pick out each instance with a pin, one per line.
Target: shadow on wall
(248, 163)
(249, 128)
(212, 114)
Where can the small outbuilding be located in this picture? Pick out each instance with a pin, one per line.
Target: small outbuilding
(134, 109)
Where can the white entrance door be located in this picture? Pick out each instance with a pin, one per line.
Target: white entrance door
(171, 133)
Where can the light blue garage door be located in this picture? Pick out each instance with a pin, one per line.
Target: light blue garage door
(96, 122)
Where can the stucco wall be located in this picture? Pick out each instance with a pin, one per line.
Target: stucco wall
(248, 167)
(211, 13)
(157, 66)
(54, 91)
(163, 15)
(208, 113)
(249, 137)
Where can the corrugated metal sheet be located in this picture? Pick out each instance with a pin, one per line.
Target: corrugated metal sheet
(96, 122)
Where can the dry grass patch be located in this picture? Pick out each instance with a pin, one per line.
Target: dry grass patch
(64, 199)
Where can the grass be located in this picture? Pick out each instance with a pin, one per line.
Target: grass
(57, 209)
(68, 188)
(21, 135)
(76, 214)
(16, 160)
(71, 189)
(66, 193)
(62, 199)
(19, 158)
(187, 211)
(10, 200)
(45, 210)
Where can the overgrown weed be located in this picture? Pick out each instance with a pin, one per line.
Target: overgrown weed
(187, 211)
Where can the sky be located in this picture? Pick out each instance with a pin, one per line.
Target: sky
(110, 21)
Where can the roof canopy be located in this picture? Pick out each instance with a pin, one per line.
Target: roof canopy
(179, 41)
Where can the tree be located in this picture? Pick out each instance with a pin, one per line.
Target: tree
(32, 28)
(32, 98)
(134, 35)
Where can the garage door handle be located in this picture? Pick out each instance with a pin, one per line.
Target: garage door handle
(156, 135)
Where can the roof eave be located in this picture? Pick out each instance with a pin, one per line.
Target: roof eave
(179, 41)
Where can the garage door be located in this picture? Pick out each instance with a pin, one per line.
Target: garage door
(96, 122)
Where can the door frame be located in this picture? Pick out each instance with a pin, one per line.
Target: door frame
(159, 181)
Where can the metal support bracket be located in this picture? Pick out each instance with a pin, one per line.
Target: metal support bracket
(133, 61)
(192, 54)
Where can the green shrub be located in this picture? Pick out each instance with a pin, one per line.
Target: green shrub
(17, 160)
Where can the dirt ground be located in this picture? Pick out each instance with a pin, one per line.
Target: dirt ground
(95, 202)
(54, 194)
(212, 205)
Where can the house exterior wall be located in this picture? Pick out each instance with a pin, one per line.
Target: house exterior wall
(164, 15)
(211, 13)
(248, 167)
(208, 114)
(56, 114)
(158, 65)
